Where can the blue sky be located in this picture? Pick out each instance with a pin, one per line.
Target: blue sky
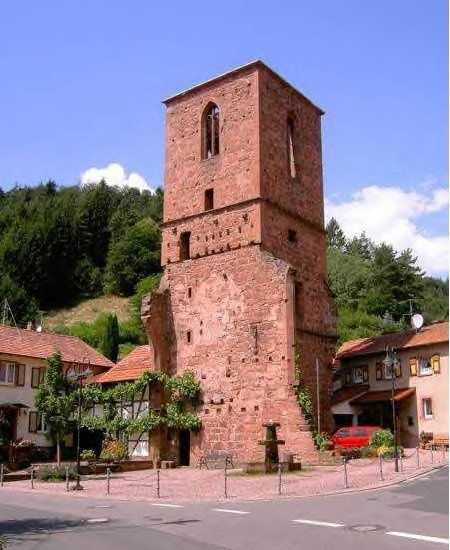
(82, 84)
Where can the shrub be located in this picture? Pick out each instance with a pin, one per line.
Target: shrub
(322, 441)
(382, 438)
(114, 451)
(88, 454)
(54, 474)
(368, 452)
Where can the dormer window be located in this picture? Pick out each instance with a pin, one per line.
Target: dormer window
(210, 131)
(290, 145)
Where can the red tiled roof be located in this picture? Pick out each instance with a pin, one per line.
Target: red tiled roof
(384, 395)
(432, 334)
(130, 368)
(346, 393)
(39, 345)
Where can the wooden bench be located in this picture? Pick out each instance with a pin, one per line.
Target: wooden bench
(216, 460)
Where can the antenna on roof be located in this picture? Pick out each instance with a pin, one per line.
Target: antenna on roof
(7, 311)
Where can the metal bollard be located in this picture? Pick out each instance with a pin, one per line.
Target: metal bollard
(418, 457)
(32, 477)
(158, 483)
(401, 463)
(381, 468)
(2, 473)
(67, 479)
(279, 478)
(345, 473)
(225, 480)
(108, 480)
(443, 453)
(432, 456)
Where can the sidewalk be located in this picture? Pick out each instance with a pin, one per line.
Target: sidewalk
(190, 484)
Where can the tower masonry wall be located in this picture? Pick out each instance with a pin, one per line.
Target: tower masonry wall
(246, 305)
(234, 330)
(234, 173)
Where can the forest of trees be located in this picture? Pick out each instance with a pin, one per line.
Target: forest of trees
(59, 245)
(376, 287)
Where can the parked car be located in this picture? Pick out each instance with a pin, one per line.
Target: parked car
(353, 437)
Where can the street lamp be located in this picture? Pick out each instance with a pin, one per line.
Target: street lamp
(79, 377)
(390, 361)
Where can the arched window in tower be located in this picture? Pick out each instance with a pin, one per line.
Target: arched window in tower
(291, 147)
(210, 131)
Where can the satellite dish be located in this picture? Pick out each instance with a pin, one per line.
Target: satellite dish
(417, 321)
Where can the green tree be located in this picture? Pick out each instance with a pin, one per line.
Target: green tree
(395, 280)
(56, 401)
(135, 256)
(335, 235)
(109, 343)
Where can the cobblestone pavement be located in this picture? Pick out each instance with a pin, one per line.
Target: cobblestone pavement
(192, 484)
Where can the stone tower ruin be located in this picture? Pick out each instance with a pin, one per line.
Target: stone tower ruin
(244, 302)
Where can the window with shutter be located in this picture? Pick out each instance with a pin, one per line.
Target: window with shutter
(35, 377)
(41, 375)
(20, 375)
(33, 421)
(365, 373)
(413, 366)
(379, 371)
(436, 362)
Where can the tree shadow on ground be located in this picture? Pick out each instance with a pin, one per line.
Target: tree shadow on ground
(29, 526)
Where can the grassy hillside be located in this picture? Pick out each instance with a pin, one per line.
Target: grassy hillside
(87, 311)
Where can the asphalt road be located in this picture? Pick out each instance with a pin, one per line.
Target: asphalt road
(388, 517)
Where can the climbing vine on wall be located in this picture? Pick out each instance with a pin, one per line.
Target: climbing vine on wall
(303, 393)
(181, 393)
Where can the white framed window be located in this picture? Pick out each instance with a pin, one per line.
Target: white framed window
(41, 424)
(7, 372)
(388, 371)
(358, 375)
(427, 405)
(425, 366)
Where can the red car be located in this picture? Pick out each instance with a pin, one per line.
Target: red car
(354, 437)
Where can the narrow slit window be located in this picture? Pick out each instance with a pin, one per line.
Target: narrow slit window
(292, 236)
(291, 147)
(209, 199)
(185, 245)
(210, 123)
(188, 337)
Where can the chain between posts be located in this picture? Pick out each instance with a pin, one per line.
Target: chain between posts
(225, 481)
(158, 483)
(279, 478)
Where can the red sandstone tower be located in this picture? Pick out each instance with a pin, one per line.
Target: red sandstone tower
(244, 301)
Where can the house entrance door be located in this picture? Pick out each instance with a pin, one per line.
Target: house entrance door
(8, 423)
(185, 447)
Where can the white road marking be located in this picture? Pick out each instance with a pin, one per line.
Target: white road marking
(228, 511)
(98, 520)
(166, 505)
(417, 537)
(320, 523)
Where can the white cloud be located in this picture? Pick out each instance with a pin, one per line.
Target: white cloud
(115, 176)
(390, 214)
